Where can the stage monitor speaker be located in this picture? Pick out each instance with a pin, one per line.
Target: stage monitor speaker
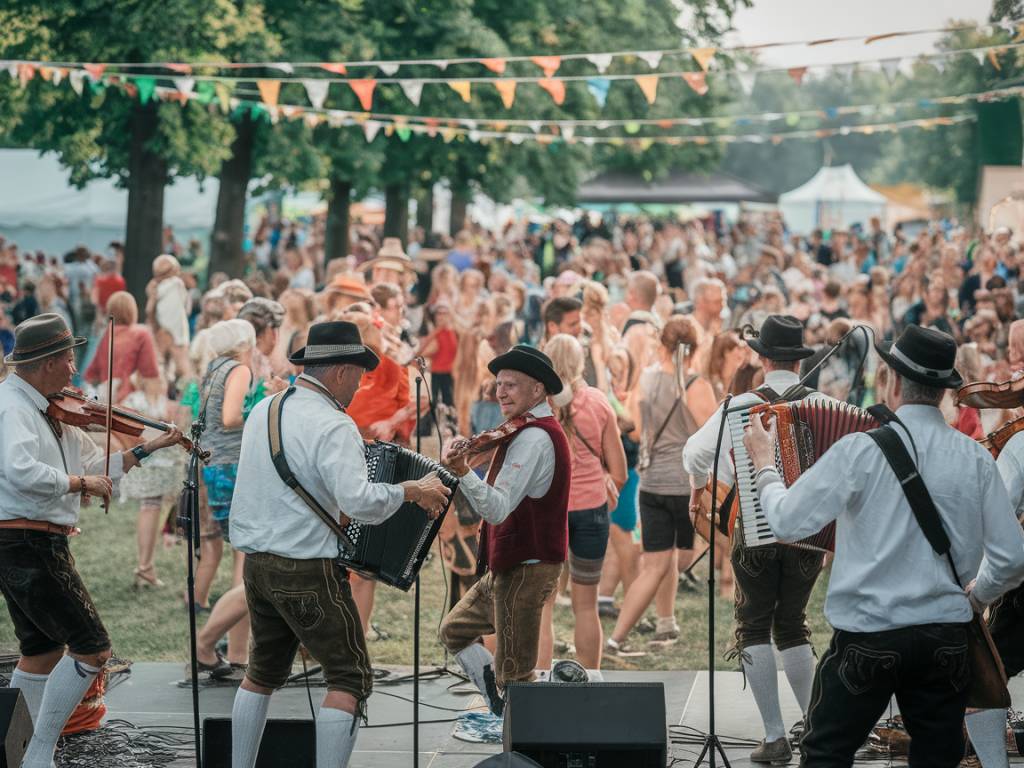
(508, 760)
(592, 725)
(15, 727)
(286, 744)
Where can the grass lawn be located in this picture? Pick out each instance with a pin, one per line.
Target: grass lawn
(151, 625)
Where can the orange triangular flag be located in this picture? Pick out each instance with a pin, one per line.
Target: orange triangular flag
(555, 87)
(797, 73)
(269, 90)
(46, 73)
(338, 69)
(95, 71)
(25, 73)
(649, 85)
(507, 89)
(548, 64)
(993, 56)
(697, 81)
(184, 69)
(703, 56)
(497, 66)
(364, 90)
(461, 87)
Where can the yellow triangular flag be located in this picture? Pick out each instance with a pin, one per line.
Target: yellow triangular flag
(703, 56)
(649, 85)
(269, 90)
(507, 90)
(993, 56)
(461, 87)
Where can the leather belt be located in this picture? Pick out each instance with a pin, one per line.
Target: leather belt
(21, 523)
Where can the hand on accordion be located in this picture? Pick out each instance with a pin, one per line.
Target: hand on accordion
(428, 492)
(760, 442)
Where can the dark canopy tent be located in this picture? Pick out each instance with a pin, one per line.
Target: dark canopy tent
(678, 187)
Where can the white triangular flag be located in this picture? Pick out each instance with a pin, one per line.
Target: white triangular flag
(568, 131)
(474, 136)
(335, 118)
(603, 125)
(412, 89)
(939, 62)
(185, 84)
(653, 58)
(980, 56)
(316, 90)
(441, 64)
(370, 129)
(845, 70)
(1009, 26)
(516, 138)
(283, 66)
(77, 79)
(388, 68)
(535, 125)
(58, 75)
(890, 67)
(471, 124)
(600, 60)
(747, 81)
(11, 68)
(588, 140)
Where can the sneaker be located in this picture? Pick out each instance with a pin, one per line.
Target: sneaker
(665, 638)
(796, 733)
(622, 650)
(646, 626)
(688, 583)
(607, 610)
(776, 752)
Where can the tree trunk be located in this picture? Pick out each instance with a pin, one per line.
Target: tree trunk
(425, 209)
(460, 201)
(147, 176)
(228, 230)
(396, 211)
(337, 244)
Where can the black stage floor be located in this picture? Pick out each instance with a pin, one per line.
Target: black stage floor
(151, 696)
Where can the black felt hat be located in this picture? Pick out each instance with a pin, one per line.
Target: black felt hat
(41, 336)
(924, 355)
(530, 361)
(781, 338)
(335, 343)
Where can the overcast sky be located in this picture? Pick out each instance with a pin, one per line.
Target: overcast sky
(777, 20)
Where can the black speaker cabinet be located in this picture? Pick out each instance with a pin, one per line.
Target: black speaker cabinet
(589, 725)
(286, 744)
(15, 727)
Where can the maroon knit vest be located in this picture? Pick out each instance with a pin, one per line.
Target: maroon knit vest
(538, 529)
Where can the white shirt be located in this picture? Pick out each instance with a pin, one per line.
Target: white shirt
(35, 468)
(325, 451)
(886, 575)
(528, 470)
(699, 451)
(1011, 469)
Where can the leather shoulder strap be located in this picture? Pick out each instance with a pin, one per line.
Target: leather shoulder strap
(284, 471)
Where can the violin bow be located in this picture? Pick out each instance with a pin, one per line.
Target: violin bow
(110, 399)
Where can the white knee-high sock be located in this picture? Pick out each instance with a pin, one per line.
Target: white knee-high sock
(64, 690)
(987, 730)
(336, 732)
(798, 662)
(32, 686)
(248, 717)
(762, 674)
(473, 660)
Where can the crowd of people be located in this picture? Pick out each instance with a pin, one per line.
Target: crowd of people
(647, 323)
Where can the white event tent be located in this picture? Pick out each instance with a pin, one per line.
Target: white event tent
(41, 210)
(834, 198)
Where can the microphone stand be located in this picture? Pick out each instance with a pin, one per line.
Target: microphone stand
(416, 619)
(188, 521)
(712, 743)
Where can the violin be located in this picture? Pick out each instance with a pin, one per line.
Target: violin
(990, 394)
(488, 439)
(995, 441)
(73, 408)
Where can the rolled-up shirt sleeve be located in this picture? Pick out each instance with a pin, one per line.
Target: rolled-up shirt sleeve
(32, 479)
(94, 458)
(1002, 567)
(341, 462)
(528, 469)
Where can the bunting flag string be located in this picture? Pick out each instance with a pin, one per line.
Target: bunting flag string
(549, 63)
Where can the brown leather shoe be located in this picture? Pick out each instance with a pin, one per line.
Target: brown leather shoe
(776, 752)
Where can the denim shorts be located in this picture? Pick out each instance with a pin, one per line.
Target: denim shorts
(588, 542)
(49, 605)
(220, 487)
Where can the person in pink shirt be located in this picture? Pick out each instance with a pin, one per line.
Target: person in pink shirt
(590, 425)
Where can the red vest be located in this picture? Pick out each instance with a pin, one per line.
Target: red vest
(538, 529)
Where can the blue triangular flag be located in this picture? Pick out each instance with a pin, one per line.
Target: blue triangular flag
(598, 87)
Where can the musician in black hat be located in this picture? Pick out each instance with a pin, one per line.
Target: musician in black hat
(46, 470)
(898, 613)
(774, 581)
(524, 502)
(295, 589)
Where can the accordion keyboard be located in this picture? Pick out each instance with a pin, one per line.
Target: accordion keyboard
(754, 525)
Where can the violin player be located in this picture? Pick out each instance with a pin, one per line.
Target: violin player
(524, 503)
(46, 470)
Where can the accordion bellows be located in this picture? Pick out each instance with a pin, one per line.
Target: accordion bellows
(393, 551)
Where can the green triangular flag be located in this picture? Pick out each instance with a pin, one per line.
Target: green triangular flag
(404, 132)
(204, 92)
(146, 86)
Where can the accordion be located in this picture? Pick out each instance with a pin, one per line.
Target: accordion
(804, 430)
(393, 551)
